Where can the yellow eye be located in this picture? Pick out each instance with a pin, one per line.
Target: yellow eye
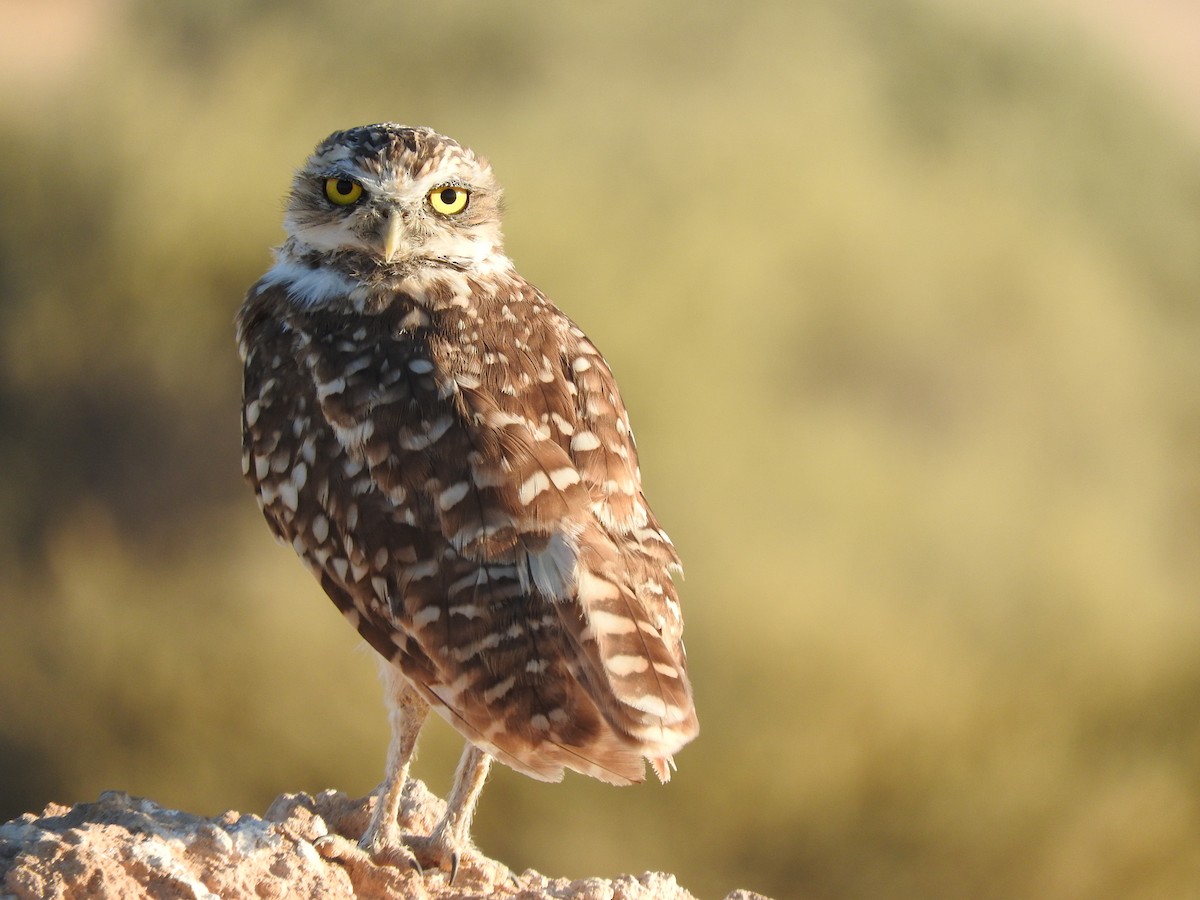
(342, 191)
(449, 201)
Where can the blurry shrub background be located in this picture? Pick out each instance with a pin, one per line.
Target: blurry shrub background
(903, 298)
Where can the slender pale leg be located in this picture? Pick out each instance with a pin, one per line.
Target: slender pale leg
(406, 713)
(451, 837)
(449, 844)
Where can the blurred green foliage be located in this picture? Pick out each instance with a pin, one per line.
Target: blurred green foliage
(903, 299)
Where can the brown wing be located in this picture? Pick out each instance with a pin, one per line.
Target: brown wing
(551, 386)
(632, 628)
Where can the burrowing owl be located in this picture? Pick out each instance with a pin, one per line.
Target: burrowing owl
(449, 455)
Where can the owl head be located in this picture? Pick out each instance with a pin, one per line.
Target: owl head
(395, 197)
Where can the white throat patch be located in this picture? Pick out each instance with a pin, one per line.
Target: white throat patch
(307, 287)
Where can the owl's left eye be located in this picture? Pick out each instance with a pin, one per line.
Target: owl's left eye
(342, 191)
(449, 200)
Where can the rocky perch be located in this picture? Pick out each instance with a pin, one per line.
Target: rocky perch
(123, 846)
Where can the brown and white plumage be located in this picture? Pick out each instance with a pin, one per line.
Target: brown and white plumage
(450, 456)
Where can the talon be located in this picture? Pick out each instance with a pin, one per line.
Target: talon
(385, 845)
(454, 859)
(336, 848)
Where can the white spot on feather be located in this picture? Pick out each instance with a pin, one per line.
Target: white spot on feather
(427, 616)
(534, 485)
(288, 495)
(452, 495)
(327, 389)
(585, 440)
(626, 664)
(609, 623)
(422, 570)
(430, 433)
(320, 529)
(651, 704)
(564, 477)
(593, 589)
(356, 435)
(498, 691)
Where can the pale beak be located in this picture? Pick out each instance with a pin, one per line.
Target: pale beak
(393, 235)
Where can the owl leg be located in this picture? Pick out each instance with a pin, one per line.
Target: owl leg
(449, 844)
(407, 710)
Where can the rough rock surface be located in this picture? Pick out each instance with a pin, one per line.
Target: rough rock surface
(123, 846)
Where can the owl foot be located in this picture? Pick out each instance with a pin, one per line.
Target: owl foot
(453, 854)
(386, 846)
(390, 849)
(441, 850)
(371, 876)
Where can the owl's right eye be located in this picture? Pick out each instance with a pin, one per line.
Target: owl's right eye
(342, 191)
